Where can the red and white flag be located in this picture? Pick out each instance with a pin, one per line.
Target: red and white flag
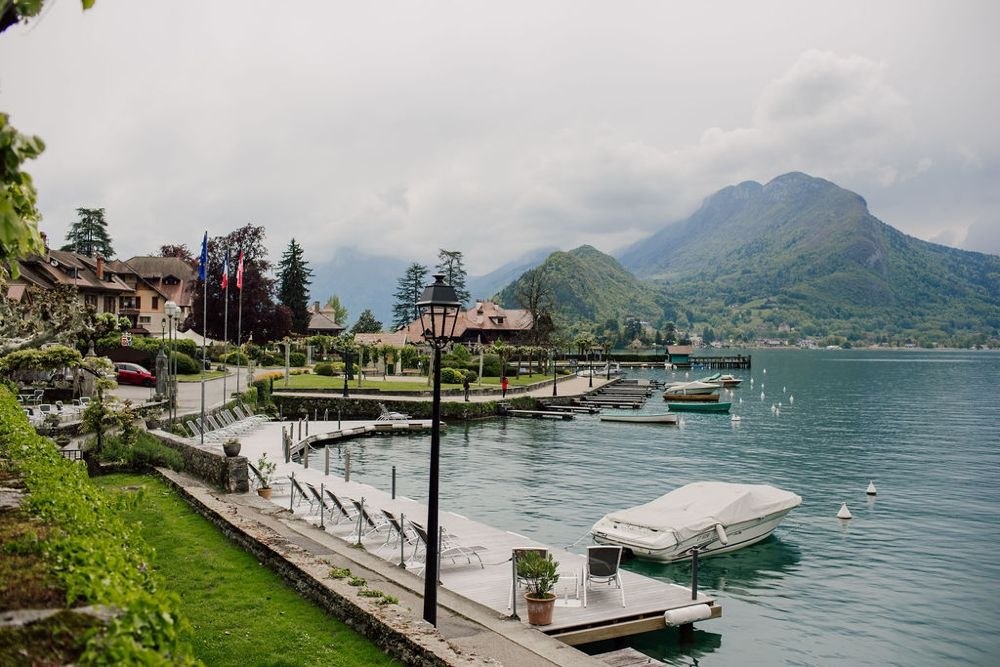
(239, 272)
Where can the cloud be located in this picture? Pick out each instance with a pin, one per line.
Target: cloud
(983, 236)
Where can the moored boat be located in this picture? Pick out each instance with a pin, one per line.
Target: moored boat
(667, 396)
(695, 387)
(712, 517)
(641, 419)
(699, 406)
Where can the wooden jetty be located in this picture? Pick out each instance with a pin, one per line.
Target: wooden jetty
(490, 583)
(576, 409)
(610, 403)
(727, 361)
(538, 414)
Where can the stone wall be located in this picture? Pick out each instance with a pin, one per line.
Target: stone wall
(210, 464)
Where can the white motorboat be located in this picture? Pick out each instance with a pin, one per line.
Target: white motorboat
(714, 517)
(667, 418)
(615, 371)
(691, 388)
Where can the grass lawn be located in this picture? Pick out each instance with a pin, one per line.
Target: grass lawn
(196, 377)
(241, 612)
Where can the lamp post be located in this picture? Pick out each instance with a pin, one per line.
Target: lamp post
(439, 308)
(552, 358)
(173, 313)
(590, 358)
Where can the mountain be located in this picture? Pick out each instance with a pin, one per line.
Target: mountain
(487, 286)
(587, 285)
(814, 253)
(360, 280)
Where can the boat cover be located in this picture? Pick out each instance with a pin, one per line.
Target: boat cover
(697, 507)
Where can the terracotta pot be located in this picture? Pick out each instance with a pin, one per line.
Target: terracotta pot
(231, 448)
(540, 609)
(265, 492)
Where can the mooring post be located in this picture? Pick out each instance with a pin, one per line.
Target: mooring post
(402, 540)
(326, 414)
(393, 482)
(338, 419)
(315, 413)
(300, 429)
(291, 495)
(513, 583)
(347, 464)
(326, 459)
(322, 509)
(307, 427)
(305, 456)
(694, 574)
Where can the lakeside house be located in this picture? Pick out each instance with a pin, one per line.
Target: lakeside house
(484, 323)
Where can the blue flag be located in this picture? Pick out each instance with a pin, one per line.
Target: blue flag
(203, 264)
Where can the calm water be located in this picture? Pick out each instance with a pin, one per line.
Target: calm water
(913, 579)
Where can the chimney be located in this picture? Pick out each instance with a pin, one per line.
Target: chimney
(316, 307)
(100, 268)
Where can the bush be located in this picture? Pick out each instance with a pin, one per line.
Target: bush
(491, 366)
(147, 451)
(452, 376)
(296, 359)
(186, 365)
(323, 368)
(471, 376)
(267, 359)
(236, 358)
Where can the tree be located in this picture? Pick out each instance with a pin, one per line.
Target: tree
(339, 309)
(89, 235)
(408, 290)
(262, 317)
(18, 213)
(450, 266)
(367, 323)
(534, 294)
(179, 251)
(294, 278)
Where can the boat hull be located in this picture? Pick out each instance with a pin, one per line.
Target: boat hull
(694, 398)
(696, 406)
(709, 543)
(641, 419)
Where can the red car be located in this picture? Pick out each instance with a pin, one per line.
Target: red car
(134, 374)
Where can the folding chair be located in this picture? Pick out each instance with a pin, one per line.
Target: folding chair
(449, 547)
(369, 523)
(603, 566)
(297, 488)
(397, 533)
(387, 416)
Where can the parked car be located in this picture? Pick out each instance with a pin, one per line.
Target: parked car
(134, 374)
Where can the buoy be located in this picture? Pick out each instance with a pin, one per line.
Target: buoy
(751, 382)
(844, 513)
(741, 400)
(791, 399)
(779, 405)
(765, 371)
(871, 489)
(782, 389)
(774, 408)
(735, 418)
(762, 396)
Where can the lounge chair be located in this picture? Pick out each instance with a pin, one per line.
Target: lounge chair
(370, 523)
(388, 416)
(257, 480)
(303, 495)
(341, 509)
(603, 567)
(397, 535)
(449, 547)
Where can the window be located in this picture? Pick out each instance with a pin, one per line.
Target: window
(109, 304)
(156, 303)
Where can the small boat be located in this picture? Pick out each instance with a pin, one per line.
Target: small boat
(727, 381)
(641, 419)
(667, 396)
(696, 387)
(696, 406)
(712, 517)
(615, 371)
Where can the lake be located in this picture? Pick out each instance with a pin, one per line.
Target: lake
(913, 579)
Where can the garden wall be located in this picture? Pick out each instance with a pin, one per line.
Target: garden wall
(229, 473)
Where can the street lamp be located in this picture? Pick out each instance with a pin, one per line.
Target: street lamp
(439, 308)
(552, 358)
(173, 312)
(590, 358)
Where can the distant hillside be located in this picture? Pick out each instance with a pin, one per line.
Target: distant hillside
(487, 286)
(587, 285)
(361, 281)
(809, 252)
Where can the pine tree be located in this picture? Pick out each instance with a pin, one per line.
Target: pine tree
(367, 323)
(89, 235)
(339, 309)
(294, 276)
(450, 266)
(408, 290)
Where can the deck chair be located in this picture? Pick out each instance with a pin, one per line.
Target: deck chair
(387, 415)
(340, 508)
(603, 567)
(397, 532)
(196, 432)
(515, 555)
(303, 495)
(370, 523)
(323, 507)
(450, 547)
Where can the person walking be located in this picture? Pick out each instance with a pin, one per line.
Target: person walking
(503, 386)
(465, 385)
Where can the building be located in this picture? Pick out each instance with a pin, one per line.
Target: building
(396, 339)
(155, 281)
(679, 355)
(322, 321)
(485, 322)
(99, 286)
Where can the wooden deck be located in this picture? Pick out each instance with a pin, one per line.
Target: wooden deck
(603, 618)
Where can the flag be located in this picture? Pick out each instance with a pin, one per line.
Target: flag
(225, 271)
(203, 264)
(239, 272)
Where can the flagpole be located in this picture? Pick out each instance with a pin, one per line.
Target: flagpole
(225, 329)
(239, 322)
(204, 327)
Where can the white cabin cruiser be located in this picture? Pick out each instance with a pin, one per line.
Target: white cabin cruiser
(715, 517)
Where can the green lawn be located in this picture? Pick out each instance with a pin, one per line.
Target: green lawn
(196, 377)
(241, 612)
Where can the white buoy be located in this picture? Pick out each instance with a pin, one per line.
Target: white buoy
(774, 408)
(782, 389)
(791, 399)
(871, 489)
(779, 405)
(844, 513)
(751, 382)
(765, 371)
(735, 419)
(762, 396)
(741, 400)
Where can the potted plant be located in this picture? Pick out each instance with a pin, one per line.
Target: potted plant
(539, 573)
(231, 446)
(266, 469)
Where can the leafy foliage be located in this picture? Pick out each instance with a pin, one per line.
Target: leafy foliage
(366, 323)
(339, 309)
(294, 280)
(18, 213)
(451, 267)
(408, 290)
(89, 235)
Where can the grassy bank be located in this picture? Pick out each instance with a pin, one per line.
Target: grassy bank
(241, 612)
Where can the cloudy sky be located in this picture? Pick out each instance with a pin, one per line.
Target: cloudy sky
(398, 128)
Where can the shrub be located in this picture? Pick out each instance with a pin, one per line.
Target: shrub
(491, 365)
(296, 359)
(452, 376)
(323, 368)
(234, 358)
(186, 365)
(147, 451)
(471, 376)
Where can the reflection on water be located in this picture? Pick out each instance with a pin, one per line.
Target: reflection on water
(669, 645)
(740, 573)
